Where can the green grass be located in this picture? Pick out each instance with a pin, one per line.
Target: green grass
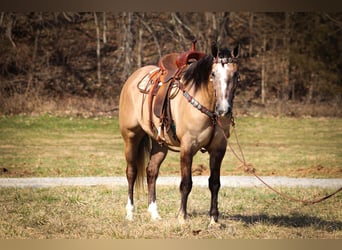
(74, 146)
(60, 146)
(297, 147)
(98, 213)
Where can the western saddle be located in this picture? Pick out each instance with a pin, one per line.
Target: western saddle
(171, 69)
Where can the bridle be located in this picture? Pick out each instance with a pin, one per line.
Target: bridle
(211, 114)
(226, 60)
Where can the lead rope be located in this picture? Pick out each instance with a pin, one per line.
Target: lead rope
(251, 170)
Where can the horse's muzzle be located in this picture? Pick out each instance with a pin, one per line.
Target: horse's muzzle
(225, 111)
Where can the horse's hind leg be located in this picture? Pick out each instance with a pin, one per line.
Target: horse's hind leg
(134, 150)
(158, 154)
(131, 174)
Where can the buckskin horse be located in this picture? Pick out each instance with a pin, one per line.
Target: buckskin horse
(194, 112)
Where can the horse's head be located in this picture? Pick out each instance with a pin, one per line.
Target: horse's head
(225, 78)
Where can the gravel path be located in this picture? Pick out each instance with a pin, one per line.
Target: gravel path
(201, 181)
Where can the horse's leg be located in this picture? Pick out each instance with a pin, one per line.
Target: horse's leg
(131, 174)
(216, 157)
(158, 154)
(186, 183)
(132, 151)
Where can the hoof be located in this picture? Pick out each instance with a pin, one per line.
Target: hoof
(129, 210)
(182, 219)
(153, 210)
(129, 217)
(214, 224)
(155, 217)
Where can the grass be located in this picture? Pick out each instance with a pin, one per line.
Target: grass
(297, 147)
(74, 146)
(60, 146)
(98, 213)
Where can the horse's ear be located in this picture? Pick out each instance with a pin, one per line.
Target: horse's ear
(236, 51)
(214, 49)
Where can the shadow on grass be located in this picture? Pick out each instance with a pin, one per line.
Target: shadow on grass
(291, 221)
(295, 221)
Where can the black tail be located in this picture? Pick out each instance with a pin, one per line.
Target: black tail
(143, 156)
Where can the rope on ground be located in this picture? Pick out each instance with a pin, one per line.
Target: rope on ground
(248, 168)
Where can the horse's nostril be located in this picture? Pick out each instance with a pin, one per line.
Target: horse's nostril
(220, 112)
(223, 111)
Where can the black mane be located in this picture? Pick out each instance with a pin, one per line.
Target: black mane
(199, 71)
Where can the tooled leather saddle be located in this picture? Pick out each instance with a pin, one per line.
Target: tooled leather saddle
(172, 66)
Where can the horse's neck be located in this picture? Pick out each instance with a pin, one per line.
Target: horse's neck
(206, 96)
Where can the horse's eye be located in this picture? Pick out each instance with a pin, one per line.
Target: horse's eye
(213, 74)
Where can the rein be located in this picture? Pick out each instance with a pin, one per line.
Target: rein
(248, 168)
(251, 170)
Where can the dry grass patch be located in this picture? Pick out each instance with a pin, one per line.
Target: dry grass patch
(98, 213)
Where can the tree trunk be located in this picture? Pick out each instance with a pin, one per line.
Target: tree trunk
(98, 49)
(34, 55)
(2, 17)
(263, 74)
(311, 89)
(251, 21)
(286, 58)
(140, 45)
(213, 32)
(128, 43)
(104, 28)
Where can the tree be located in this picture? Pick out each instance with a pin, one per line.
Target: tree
(285, 56)
(98, 48)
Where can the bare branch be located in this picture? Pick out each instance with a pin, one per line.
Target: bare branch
(9, 30)
(148, 27)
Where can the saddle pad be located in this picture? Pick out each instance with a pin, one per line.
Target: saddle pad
(146, 83)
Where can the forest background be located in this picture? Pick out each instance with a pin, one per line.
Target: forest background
(76, 63)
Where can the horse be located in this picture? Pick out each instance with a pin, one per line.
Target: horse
(201, 111)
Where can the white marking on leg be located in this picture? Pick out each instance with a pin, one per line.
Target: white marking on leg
(212, 220)
(129, 210)
(153, 209)
(213, 223)
(181, 219)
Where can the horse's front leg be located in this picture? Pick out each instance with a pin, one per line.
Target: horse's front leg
(186, 183)
(158, 154)
(216, 157)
